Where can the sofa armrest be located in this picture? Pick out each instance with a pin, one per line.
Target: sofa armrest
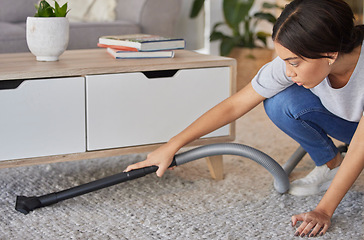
(154, 16)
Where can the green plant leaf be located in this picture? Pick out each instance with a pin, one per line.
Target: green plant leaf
(215, 35)
(44, 10)
(217, 25)
(60, 11)
(266, 16)
(235, 11)
(227, 44)
(196, 8)
(262, 36)
(271, 5)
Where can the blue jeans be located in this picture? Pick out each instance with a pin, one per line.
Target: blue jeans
(300, 114)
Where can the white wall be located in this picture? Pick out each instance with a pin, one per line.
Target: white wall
(192, 30)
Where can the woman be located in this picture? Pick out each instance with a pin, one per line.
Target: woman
(313, 89)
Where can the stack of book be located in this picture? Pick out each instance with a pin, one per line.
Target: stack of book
(140, 46)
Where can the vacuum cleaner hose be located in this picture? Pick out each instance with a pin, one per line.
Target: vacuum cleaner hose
(281, 181)
(26, 204)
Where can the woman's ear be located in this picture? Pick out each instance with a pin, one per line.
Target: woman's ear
(331, 57)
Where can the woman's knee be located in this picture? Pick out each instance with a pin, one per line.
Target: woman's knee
(279, 106)
(291, 103)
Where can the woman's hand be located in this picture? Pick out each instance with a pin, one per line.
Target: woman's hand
(162, 157)
(316, 220)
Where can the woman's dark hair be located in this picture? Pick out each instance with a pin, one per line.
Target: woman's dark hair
(309, 28)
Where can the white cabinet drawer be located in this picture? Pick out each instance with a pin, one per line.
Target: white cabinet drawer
(130, 109)
(42, 117)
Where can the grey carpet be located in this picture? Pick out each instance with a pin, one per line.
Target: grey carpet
(185, 204)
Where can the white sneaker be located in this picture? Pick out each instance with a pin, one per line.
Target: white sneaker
(315, 182)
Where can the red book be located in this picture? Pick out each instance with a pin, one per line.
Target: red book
(122, 48)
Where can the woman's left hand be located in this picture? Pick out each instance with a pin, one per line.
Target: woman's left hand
(315, 220)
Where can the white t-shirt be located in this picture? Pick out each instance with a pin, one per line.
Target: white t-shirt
(346, 102)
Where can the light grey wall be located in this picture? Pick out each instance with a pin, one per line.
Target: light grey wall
(192, 30)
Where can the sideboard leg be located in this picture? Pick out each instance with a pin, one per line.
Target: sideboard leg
(216, 167)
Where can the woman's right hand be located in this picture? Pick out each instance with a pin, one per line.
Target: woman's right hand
(162, 157)
(314, 223)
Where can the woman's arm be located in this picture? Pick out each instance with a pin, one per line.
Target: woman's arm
(348, 172)
(223, 113)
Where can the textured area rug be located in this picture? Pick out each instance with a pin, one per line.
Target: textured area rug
(185, 204)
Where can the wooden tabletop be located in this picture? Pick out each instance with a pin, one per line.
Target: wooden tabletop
(98, 61)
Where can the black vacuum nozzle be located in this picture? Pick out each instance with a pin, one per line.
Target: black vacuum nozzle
(27, 204)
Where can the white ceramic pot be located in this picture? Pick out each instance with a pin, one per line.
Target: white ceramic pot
(47, 37)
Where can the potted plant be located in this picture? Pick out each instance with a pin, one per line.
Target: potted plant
(48, 31)
(244, 43)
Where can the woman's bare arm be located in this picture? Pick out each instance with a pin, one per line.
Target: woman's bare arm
(223, 113)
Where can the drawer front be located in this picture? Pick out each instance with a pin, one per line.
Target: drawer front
(131, 109)
(42, 117)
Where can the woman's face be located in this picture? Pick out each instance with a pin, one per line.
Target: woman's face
(304, 72)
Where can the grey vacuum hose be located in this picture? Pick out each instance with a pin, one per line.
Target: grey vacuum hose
(27, 204)
(281, 181)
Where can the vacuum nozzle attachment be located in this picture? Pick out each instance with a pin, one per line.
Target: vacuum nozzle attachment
(27, 204)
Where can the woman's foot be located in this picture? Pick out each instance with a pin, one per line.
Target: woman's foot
(318, 180)
(315, 182)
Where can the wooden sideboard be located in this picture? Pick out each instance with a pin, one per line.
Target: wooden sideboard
(89, 105)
